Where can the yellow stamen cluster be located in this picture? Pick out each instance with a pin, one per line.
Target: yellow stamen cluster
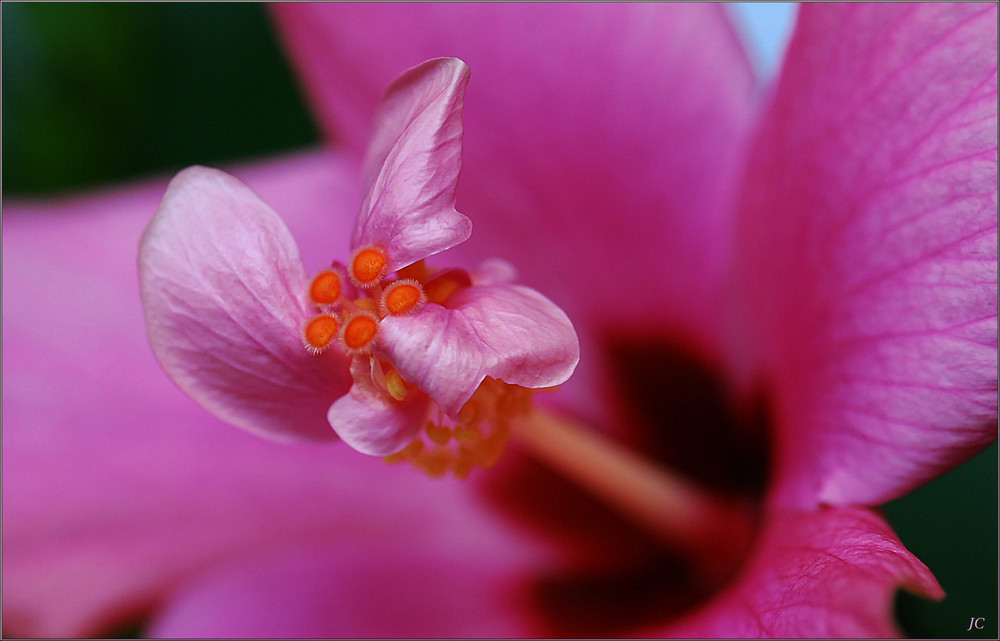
(476, 439)
(350, 305)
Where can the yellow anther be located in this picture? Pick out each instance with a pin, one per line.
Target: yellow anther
(467, 436)
(395, 385)
(469, 414)
(444, 285)
(320, 332)
(368, 266)
(358, 332)
(477, 437)
(326, 287)
(487, 453)
(510, 402)
(401, 297)
(464, 464)
(436, 462)
(409, 452)
(437, 433)
(418, 271)
(367, 304)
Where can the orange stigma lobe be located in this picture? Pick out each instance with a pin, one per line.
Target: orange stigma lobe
(359, 331)
(320, 332)
(402, 297)
(325, 288)
(368, 266)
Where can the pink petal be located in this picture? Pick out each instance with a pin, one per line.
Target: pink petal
(224, 293)
(508, 332)
(831, 574)
(868, 249)
(412, 165)
(420, 589)
(494, 271)
(602, 143)
(372, 422)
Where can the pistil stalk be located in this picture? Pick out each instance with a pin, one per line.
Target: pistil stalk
(683, 515)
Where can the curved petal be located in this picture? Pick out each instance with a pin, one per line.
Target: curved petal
(867, 265)
(411, 170)
(831, 574)
(494, 271)
(508, 332)
(420, 590)
(602, 141)
(223, 290)
(371, 421)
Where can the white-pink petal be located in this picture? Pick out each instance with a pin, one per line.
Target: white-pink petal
(412, 165)
(223, 291)
(507, 332)
(371, 421)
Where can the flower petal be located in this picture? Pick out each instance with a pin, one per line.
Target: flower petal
(420, 589)
(494, 271)
(372, 422)
(868, 249)
(411, 170)
(832, 574)
(508, 332)
(602, 144)
(224, 289)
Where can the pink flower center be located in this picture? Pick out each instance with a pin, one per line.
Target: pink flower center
(350, 317)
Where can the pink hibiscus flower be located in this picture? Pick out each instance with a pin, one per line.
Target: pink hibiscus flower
(844, 282)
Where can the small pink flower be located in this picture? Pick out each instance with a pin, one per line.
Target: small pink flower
(236, 323)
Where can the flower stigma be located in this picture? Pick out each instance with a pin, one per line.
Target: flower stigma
(368, 266)
(402, 297)
(319, 332)
(326, 287)
(359, 332)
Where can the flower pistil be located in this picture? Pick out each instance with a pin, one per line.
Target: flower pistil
(351, 317)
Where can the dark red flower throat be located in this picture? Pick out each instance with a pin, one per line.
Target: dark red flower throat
(617, 578)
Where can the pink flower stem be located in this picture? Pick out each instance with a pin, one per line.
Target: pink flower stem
(684, 516)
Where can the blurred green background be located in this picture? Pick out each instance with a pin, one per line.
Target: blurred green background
(102, 93)
(94, 93)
